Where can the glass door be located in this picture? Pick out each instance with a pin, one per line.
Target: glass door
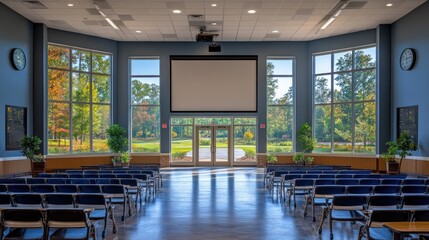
(213, 145)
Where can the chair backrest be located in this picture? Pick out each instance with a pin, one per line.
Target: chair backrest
(421, 215)
(116, 190)
(125, 175)
(89, 188)
(347, 181)
(18, 188)
(66, 188)
(67, 218)
(415, 202)
(391, 181)
(381, 216)
(369, 181)
(324, 181)
(78, 181)
(3, 188)
(102, 181)
(129, 181)
(310, 176)
(349, 202)
(383, 202)
(413, 189)
(329, 190)
(55, 181)
(360, 189)
(414, 181)
(96, 201)
(387, 189)
(59, 201)
(290, 176)
(344, 176)
(326, 175)
(35, 181)
(361, 176)
(27, 200)
(45, 175)
(5, 200)
(42, 188)
(303, 182)
(76, 175)
(22, 218)
(91, 176)
(12, 181)
(377, 176)
(74, 171)
(143, 177)
(107, 175)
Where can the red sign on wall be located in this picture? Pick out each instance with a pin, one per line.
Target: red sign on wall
(262, 125)
(164, 125)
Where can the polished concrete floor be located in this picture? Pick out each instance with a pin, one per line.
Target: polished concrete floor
(220, 203)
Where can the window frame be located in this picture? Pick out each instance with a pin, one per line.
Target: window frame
(131, 105)
(353, 102)
(70, 101)
(293, 105)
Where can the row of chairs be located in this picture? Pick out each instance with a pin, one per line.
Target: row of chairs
(277, 172)
(119, 194)
(287, 185)
(354, 207)
(155, 178)
(302, 189)
(321, 195)
(46, 224)
(102, 207)
(279, 178)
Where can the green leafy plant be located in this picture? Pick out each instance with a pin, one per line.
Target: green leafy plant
(402, 147)
(249, 153)
(307, 143)
(30, 147)
(117, 140)
(271, 158)
(125, 157)
(179, 155)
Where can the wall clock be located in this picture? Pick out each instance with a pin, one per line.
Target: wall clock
(408, 59)
(18, 58)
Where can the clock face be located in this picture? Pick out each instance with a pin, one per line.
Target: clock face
(408, 59)
(18, 59)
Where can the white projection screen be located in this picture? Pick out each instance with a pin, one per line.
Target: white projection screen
(213, 84)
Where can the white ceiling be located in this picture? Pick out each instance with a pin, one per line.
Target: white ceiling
(296, 20)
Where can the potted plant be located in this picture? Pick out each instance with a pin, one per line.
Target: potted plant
(117, 141)
(392, 166)
(402, 147)
(307, 143)
(30, 148)
(271, 158)
(125, 159)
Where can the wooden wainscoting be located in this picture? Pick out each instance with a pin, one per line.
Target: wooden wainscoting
(15, 167)
(54, 163)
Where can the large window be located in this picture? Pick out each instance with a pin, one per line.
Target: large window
(145, 120)
(344, 101)
(79, 97)
(280, 104)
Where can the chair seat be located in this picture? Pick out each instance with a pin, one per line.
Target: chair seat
(68, 233)
(29, 234)
(117, 200)
(347, 215)
(97, 214)
(380, 233)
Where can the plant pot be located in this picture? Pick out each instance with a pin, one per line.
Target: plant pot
(125, 164)
(117, 164)
(37, 167)
(392, 167)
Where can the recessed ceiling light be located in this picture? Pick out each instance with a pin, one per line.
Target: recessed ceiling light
(70, 4)
(138, 31)
(214, 23)
(251, 11)
(389, 4)
(214, 5)
(177, 11)
(275, 31)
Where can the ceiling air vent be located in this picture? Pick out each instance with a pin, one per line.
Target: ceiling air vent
(196, 20)
(34, 5)
(355, 5)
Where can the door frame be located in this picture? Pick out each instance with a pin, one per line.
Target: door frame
(213, 162)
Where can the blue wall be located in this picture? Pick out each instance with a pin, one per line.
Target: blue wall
(16, 87)
(412, 87)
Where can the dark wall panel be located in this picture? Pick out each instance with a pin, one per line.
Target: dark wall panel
(16, 87)
(411, 87)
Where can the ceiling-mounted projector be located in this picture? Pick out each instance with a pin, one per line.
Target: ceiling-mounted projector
(204, 37)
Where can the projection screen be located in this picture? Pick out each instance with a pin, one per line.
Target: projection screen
(213, 84)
